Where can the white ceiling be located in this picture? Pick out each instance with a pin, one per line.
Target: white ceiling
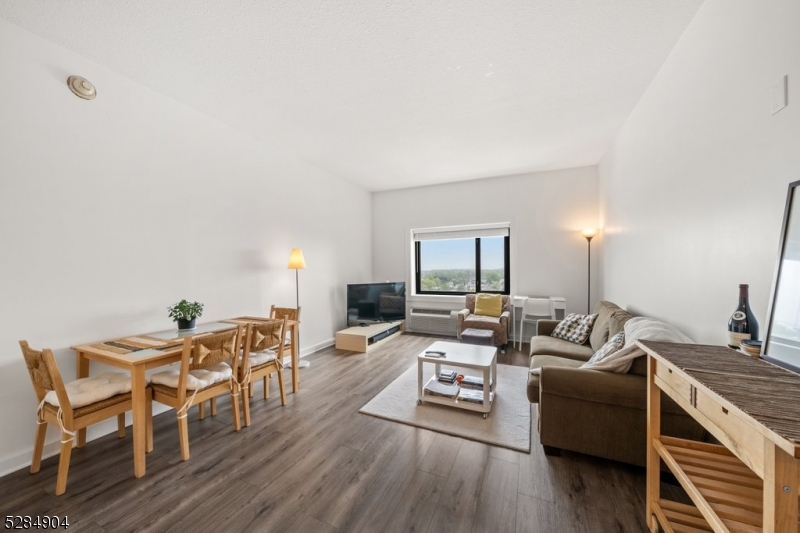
(388, 94)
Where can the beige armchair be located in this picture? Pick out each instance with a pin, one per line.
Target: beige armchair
(498, 325)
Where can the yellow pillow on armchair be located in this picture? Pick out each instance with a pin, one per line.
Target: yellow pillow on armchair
(489, 304)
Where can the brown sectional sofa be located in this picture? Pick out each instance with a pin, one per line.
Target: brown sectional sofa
(591, 411)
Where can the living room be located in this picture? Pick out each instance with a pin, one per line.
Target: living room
(105, 202)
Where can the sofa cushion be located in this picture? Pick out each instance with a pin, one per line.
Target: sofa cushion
(617, 322)
(575, 328)
(544, 345)
(619, 390)
(599, 335)
(538, 361)
(489, 304)
(610, 321)
(613, 345)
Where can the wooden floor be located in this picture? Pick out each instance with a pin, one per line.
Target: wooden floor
(318, 465)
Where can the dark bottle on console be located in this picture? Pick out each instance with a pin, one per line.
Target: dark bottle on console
(742, 324)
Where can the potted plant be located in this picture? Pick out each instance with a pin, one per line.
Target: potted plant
(185, 313)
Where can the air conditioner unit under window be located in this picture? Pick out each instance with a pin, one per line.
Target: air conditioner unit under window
(433, 321)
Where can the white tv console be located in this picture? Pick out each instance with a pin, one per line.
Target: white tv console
(365, 338)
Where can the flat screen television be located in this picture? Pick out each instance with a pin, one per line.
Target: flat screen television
(369, 303)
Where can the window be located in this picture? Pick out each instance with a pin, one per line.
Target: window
(462, 260)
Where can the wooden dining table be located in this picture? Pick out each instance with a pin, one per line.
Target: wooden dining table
(139, 353)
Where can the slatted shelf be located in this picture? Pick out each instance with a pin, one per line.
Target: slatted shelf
(680, 518)
(723, 489)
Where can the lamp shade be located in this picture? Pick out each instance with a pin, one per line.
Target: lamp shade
(296, 259)
(589, 233)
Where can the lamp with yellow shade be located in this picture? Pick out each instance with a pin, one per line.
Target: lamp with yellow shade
(296, 262)
(589, 233)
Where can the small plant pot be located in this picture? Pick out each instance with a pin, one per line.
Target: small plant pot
(186, 324)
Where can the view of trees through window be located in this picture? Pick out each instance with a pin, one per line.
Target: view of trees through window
(453, 266)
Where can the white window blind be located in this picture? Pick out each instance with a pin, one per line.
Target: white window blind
(462, 232)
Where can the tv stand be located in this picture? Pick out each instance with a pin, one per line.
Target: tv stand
(365, 338)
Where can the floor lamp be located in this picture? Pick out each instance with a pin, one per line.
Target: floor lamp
(589, 233)
(296, 262)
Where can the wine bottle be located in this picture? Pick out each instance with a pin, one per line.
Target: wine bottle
(742, 324)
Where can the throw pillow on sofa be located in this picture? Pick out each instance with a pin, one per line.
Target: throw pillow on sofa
(574, 328)
(613, 345)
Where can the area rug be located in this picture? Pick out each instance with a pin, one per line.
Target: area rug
(508, 424)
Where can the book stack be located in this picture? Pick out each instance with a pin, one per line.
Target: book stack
(751, 348)
(448, 376)
(473, 396)
(435, 388)
(474, 383)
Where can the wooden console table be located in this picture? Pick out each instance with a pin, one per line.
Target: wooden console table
(751, 482)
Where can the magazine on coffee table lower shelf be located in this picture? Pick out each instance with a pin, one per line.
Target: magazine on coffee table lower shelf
(435, 387)
(475, 383)
(473, 396)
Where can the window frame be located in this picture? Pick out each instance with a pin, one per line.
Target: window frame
(507, 271)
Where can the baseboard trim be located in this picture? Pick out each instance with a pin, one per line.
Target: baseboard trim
(53, 444)
(317, 347)
(23, 459)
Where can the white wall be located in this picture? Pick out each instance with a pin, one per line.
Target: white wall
(693, 189)
(113, 209)
(547, 210)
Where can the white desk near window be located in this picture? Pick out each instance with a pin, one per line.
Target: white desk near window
(559, 303)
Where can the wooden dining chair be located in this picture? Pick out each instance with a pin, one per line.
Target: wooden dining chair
(209, 368)
(262, 356)
(289, 313)
(75, 405)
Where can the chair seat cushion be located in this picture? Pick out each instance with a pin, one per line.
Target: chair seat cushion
(196, 379)
(261, 358)
(92, 407)
(490, 323)
(85, 391)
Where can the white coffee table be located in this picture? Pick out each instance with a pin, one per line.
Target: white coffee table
(482, 358)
